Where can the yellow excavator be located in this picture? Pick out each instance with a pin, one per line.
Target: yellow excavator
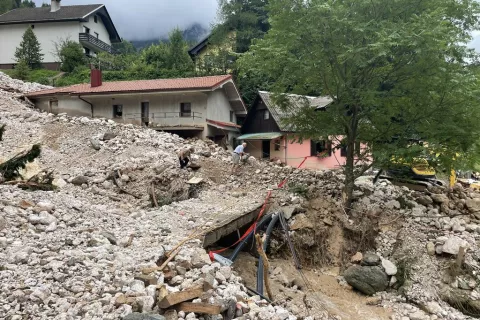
(417, 175)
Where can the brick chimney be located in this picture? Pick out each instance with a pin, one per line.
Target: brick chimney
(95, 78)
(54, 5)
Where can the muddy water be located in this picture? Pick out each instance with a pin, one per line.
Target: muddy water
(322, 293)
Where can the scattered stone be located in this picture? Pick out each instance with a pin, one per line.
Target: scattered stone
(389, 267)
(78, 181)
(357, 258)
(453, 244)
(370, 259)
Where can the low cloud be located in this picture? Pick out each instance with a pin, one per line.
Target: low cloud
(152, 19)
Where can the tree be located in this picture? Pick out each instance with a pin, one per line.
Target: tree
(397, 71)
(71, 55)
(22, 70)
(29, 50)
(177, 56)
(45, 5)
(248, 19)
(124, 47)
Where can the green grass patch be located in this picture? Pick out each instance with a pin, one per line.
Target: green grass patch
(42, 76)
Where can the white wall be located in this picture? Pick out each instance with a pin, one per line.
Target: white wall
(47, 34)
(219, 107)
(98, 27)
(70, 105)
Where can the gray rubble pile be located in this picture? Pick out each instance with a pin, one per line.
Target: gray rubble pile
(79, 251)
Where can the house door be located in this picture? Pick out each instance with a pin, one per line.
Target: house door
(266, 148)
(145, 112)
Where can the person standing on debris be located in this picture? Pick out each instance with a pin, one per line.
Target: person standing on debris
(184, 156)
(237, 155)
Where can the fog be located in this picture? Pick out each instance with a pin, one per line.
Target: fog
(147, 19)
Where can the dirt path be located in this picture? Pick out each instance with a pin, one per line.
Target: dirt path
(325, 292)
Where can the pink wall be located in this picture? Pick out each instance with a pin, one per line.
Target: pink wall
(297, 151)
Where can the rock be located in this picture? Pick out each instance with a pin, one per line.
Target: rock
(366, 279)
(418, 315)
(389, 267)
(44, 206)
(473, 205)
(3, 223)
(357, 257)
(59, 183)
(433, 308)
(46, 218)
(370, 259)
(301, 222)
(439, 198)
(200, 258)
(424, 200)
(143, 316)
(137, 286)
(453, 244)
(95, 144)
(110, 237)
(431, 248)
(108, 136)
(205, 153)
(78, 181)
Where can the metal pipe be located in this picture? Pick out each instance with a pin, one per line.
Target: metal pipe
(260, 274)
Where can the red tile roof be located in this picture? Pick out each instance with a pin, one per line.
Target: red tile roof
(179, 84)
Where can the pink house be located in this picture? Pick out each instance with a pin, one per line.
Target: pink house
(268, 138)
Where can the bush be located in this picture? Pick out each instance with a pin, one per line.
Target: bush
(21, 71)
(71, 56)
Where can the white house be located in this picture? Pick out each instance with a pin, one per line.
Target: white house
(90, 25)
(203, 107)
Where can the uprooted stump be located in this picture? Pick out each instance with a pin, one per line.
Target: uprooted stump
(10, 169)
(41, 181)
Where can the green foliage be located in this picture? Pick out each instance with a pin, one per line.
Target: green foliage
(397, 72)
(21, 71)
(71, 55)
(45, 5)
(299, 189)
(124, 47)
(7, 5)
(10, 168)
(248, 18)
(29, 50)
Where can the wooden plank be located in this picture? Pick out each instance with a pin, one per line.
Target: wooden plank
(201, 308)
(177, 297)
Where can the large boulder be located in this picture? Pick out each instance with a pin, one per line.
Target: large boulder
(366, 279)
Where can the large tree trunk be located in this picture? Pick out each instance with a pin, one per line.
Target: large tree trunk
(349, 175)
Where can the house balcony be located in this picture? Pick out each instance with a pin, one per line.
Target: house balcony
(168, 120)
(95, 44)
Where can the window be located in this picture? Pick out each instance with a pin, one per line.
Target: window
(95, 19)
(185, 109)
(320, 147)
(87, 30)
(117, 111)
(277, 145)
(53, 106)
(87, 51)
(266, 115)
(343, 150)
(231, 116)
(32, 26)
(96, 34)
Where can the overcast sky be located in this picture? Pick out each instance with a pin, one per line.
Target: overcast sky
(147, 19)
